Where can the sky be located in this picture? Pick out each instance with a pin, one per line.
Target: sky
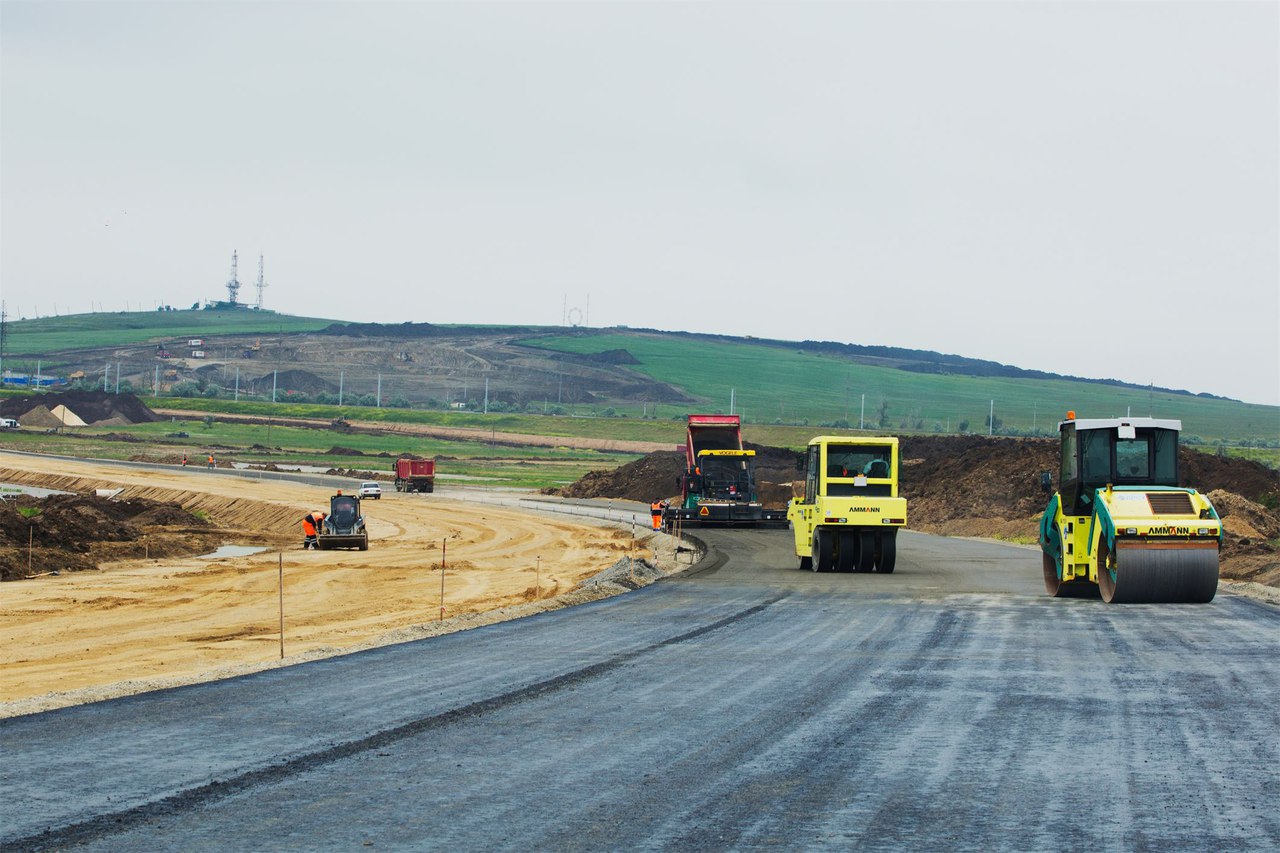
(1089, 188)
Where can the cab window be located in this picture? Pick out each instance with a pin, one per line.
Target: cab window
(1133, 459)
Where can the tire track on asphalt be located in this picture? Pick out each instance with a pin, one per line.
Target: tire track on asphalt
(110, 823)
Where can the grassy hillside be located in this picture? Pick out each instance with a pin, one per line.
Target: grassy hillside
(770, 384)
(821, 387)
(81, 331)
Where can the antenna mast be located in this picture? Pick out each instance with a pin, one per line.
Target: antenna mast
(262, 282)
(233, 284)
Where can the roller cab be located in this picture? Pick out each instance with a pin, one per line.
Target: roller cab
(1119, 525)
(850, 513)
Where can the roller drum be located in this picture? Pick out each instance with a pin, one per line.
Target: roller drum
(1155, 573)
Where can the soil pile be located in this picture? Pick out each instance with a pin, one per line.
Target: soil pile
(647, 479)
(296, 380)
(90, 406)
(657, 476)
(74, 532)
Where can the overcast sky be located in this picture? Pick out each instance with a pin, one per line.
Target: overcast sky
(1082, 187)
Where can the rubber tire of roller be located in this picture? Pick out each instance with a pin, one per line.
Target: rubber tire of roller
(1159, 576)
(821, 549)
(866, 551)
(847, 551)
(886, 551)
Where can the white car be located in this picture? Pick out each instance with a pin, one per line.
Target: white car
(370, 489)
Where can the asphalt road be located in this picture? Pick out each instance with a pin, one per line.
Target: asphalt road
(950, 705)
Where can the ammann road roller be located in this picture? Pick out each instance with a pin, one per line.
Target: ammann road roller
(849, 516)
(1119, 525)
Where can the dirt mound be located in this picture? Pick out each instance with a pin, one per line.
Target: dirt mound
(657, 476)
(647, 479)
(90, 406)
(296, 380)
(1245, 518)
(40, 417)
(339, 450)
(1207, 472)
(71, 531)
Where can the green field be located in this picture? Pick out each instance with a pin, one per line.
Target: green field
(86, 331)
(772, 384)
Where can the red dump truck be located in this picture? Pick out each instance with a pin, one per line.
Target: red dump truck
(415, 475)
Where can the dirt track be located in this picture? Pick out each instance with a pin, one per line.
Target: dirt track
(176, 619)
(507, 439)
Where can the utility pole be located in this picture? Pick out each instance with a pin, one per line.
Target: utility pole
(862, 417)
(731, 396)
(4, 339)
(237, 383)
(379, 390)
(275, 374)
(486, 395)
(341, 376)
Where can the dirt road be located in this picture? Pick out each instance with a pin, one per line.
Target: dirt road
(143, 623)
(511, 439)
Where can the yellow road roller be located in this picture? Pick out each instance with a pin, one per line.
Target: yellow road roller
(849, 516)
(1119, 524)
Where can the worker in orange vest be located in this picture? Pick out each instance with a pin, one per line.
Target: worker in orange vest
(210, 460)
(312, 523)
(655, 514)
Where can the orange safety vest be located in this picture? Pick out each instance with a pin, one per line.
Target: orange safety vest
(308, 526)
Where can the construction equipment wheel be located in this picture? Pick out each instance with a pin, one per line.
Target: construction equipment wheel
(821, 550)
(364, 544)
(847, 551)
(1147, 573)
(866, 551)
(1058, 588)
(886, 551)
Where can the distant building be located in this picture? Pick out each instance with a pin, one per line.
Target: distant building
(29, 381)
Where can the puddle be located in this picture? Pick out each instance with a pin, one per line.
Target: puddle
(232, 551)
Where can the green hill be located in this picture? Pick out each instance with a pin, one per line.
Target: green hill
(48, 335)
(623, 372)
(771, 383)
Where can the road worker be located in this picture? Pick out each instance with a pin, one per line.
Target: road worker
(655, 514)
(210, 460)
(308, 532)
(312, 524)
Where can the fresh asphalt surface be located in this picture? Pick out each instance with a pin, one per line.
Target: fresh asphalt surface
(950, 705)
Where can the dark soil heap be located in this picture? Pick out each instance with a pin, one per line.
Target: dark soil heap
(90, 406)
(70, 530)
(657, 476)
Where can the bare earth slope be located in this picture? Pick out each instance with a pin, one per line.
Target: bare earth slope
(173, 619)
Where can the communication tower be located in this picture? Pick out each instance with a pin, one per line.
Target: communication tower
(261, 284)
(233, 283)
